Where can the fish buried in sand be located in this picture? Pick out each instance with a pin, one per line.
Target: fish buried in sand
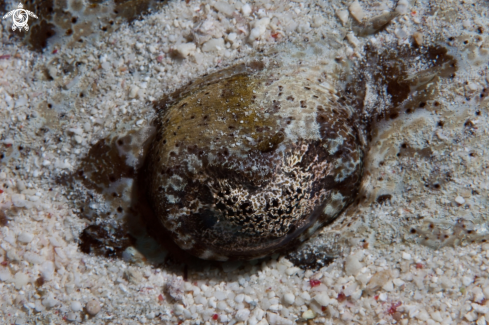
(247, 162)
(252, 160)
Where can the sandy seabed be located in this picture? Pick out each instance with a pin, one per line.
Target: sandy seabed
(413, 252)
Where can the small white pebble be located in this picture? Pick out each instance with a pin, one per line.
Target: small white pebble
(232, 36)
(406, 256)
(246, 10)
(223, 318)
(343, 16)
(239, 298)
(186, 49)
(289, 298)
(77, 131)
(123, 288)
(352, 265)
(352, 39)
(47, 270)
(308, 314)
(318, 21)
(242, 314)
(480, 309)
(178, 309)
(472, 316)
(248, 299)
(275, 307)
(212, 302)
(258, 313)
(220, 295)
(459, 200)
(224, 8)
(402, 7)
(49, 301)
(213, 45)
(466, 280)
(93, 307)
(222, 305)
(259, 29)
(436, 316)
(306, 296)
(134, 92)
(383, 297)
(20, 280)
(388, 286)
(356, 11)
(25, 237)
(322, 299)
(76, 306)
(292, 270)
(138, 45)
(140, 122)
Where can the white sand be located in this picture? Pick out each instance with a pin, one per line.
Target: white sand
(393, 275)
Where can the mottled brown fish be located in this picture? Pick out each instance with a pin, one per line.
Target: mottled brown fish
(254, 159)
(250, 161)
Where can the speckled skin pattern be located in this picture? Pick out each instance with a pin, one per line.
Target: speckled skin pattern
(252, 160)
